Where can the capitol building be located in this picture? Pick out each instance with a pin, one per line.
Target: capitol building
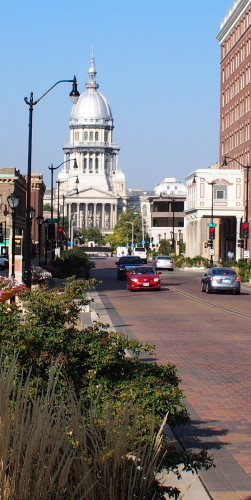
(91, 187)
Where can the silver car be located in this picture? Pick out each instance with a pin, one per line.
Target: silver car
(220, 279)
(163, 262)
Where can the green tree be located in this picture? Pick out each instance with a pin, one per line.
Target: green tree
(122, 234)
(47, 207)
(92, 234)
(165, 247)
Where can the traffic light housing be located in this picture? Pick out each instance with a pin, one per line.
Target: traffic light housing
(1, 232)
(244, 230)
(210, 244)
(241, 243)
(51, 231)
(60, 230)
(212, 232)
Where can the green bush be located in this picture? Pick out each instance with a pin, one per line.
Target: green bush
(94, 365)
(72, 262)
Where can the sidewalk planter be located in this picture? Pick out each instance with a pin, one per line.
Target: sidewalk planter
(6, 295)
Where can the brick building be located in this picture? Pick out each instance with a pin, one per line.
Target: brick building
(235, 90)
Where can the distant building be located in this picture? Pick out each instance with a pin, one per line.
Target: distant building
(167, 214)
(214, 197)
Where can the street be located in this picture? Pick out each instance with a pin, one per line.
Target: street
(208, 338)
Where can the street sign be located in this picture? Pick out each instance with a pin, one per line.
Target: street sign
(212, 224)
(246, 254)
(52, 221)
(143, 242)
(211, 251)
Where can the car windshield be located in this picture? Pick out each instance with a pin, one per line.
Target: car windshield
(223, 271)
(143, 270)
(163, 258)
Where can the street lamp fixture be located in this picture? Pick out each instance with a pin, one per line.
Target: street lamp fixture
(74, 95)
(245, 167)
(40, 221)
(13, 201)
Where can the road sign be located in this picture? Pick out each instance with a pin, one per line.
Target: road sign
(143, 242)
(246, 254)
(52, 221)
(212, 224)
(211, 251)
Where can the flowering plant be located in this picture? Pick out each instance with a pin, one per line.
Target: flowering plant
(38, 273)
(11, 285)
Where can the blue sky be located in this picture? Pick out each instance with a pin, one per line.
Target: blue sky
(157, 64)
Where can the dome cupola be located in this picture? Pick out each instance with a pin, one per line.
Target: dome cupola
(92, 107)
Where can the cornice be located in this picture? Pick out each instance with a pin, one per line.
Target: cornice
(231, 18)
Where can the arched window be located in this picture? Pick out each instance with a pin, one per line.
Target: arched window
(96, 165)
(90, 166)
(91, 136)
(86, 136)
(96, 136)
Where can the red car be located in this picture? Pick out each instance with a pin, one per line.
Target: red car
(143, 278)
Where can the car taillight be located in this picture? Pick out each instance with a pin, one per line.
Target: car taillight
(238, 279)
(212, 279)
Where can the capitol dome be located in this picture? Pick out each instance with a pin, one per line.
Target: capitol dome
(92, 107)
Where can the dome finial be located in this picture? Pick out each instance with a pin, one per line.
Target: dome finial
(92, 84)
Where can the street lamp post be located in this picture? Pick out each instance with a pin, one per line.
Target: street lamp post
(212, 184)
(245, 167)
(46, 225)
(31, 103)
(13, 201)
(132, 224)
(51, 168)
(40, 221)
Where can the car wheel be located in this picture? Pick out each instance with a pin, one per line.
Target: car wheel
(208, 290)
(202, 287)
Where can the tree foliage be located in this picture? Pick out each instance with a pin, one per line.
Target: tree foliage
(122, 234)
(91, 234)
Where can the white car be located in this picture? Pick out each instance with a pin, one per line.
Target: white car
(163, 262)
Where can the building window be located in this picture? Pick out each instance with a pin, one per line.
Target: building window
(91, 136)
(84, 164)
(219, 195)
(90, 166)
(96, 136)
(96, 165)
(86, 136)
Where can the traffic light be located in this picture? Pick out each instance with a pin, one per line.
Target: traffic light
(1, 232)
(51, 231)
(60, 230)
(244, 230)
(210, 243)
(241, 243)
(212, 233)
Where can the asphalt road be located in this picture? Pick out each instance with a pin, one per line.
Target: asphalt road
(208, 338)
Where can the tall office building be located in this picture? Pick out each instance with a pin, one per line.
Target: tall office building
(235, 91)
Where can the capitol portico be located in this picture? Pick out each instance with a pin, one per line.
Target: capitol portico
(91, 189)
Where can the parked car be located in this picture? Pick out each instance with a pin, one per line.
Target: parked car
(220, 279)
(4, 263)
(124, 265)
(163, 262)
(143, 278)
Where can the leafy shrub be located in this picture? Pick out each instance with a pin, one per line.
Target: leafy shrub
(72, 262)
